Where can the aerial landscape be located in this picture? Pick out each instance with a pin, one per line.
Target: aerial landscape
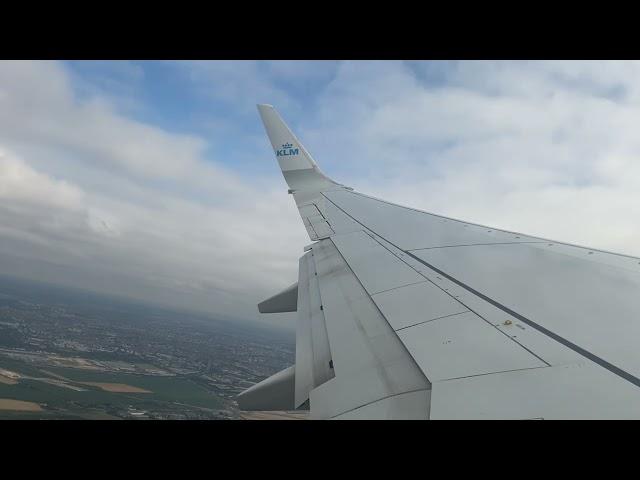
(348, 239)
(67, 354)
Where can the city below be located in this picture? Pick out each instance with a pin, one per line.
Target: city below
(68, 354)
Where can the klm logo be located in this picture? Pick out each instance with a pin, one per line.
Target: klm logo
(286, 150)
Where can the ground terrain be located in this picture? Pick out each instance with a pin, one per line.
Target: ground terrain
(67, 354)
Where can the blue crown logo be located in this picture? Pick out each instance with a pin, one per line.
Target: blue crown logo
(286, 150)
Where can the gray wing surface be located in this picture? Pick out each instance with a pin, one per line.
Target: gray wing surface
(404, 314)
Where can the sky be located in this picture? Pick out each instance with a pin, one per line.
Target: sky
(155, 180)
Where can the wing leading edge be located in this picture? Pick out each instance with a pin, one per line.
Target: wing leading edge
(407, 314)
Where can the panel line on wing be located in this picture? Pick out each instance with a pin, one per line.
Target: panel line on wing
(432, 319)
(380, 400)
(396, 288)
(469, 245)
(494, 373)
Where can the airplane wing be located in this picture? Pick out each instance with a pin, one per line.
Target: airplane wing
(404, 314)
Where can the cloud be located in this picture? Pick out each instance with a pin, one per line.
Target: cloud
(241, 84)
(546, 148)
(19, 182)
(95, 195)
(92, 197)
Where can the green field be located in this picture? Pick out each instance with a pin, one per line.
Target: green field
(167, 392)
(169, 389)
(19, 367)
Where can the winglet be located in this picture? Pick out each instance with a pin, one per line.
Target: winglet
(298, 167)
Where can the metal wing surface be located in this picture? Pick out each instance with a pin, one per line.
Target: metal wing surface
(404, 314)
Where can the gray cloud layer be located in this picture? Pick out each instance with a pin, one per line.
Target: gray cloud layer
(92, 198)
